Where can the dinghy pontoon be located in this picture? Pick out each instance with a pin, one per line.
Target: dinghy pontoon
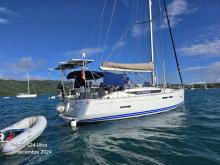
(17, 136)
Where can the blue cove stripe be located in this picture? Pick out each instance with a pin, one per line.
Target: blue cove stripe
(148, 112)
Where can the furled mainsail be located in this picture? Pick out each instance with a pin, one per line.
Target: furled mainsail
(130, 67)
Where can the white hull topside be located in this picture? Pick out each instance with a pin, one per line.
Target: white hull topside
(23, 95)
(114, 106)
(31, 127)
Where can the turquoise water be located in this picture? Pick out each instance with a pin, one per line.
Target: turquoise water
(187, 135)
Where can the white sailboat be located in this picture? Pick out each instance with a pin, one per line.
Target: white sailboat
(88, 103)
(192, 89)
(6, 97)
(28, 94)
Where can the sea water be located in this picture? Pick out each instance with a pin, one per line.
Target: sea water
(187, 135)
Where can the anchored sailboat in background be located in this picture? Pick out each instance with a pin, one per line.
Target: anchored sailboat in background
(117, 97)
(28, 94)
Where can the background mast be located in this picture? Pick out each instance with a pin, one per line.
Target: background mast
(28, 83)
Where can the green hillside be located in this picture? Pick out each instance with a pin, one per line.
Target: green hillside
(13, 87)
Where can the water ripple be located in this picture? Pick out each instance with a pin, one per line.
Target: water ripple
(188, 135)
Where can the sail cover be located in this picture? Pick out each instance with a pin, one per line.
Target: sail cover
(89, 75)
(115, 79)
(136, 67)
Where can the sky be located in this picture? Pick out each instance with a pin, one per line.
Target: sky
(37, 34)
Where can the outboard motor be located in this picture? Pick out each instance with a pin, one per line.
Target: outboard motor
(60, 107)
(63, 107)
(2, 136)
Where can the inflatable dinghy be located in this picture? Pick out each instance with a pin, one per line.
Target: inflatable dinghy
(17, 136)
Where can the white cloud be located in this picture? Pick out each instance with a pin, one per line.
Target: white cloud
(21, 76)
(137, 31)
(126, 3)
(204, 44)
(210, 73)
(207, 49)
(31, 77)
(23, 64)
(199, 82)
(194, 68)
(36, 78)
(3, 21)
(6, 11)
(213, 72)
(17, 67)
(88, 51)
(208, 33)
(119, 44)
(215, 67)
(176, 9)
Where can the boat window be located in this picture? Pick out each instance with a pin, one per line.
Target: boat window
(155, 91)
(126, 106)
(144, 92)
(164, 97)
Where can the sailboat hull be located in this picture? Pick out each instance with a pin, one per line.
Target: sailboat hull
(96, 110)
(26, 95)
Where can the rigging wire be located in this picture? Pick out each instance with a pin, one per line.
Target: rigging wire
(133, 47)
(161, 60)
(97, 24)
(142, 48)
(162, 48)
(173, 44)
(124, 33)
(137, 44)
(101, 23)
(158, 46)
(110, 23)
(143, 22)
(100, 30)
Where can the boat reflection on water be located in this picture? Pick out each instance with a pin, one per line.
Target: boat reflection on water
(135, 127)
(155, 126)
(138, 137)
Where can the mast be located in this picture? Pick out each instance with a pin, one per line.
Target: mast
(28, 88)
(151, 41)
(83, 67)
(49, 73)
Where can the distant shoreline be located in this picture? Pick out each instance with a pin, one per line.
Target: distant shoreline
(202, 86)
(13, 87)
